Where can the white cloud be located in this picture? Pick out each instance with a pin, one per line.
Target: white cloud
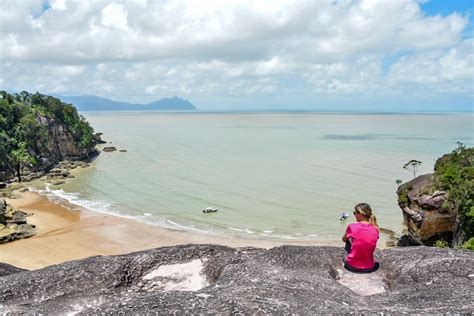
(58, 5)
(114, 15)
(232, 48)
(448, 71)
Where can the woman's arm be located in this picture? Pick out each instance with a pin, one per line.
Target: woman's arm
(344, 238)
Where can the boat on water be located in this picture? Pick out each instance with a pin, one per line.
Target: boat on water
(209, 210)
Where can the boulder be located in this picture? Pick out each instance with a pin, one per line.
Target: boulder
(31, 176)
(98, 138)
(58, 182)
(13, 224)
(3, 210)
(16, 231)
(58, 173)
(210, 279)
(426, 218)
(3, 185)
(431, 202)
(83, 164)
(109, 149)
(16, 217)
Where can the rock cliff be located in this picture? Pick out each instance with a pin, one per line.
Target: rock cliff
(61, 145)
(425, 215)
(13, 224)
(438, 207)
(38, 131)
(216, 279)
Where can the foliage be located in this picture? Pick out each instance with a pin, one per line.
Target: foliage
(469, 244)
(441, 243)
(402, 193)
(454, 173)
(24, 121)
(402, 198)
(413, 165)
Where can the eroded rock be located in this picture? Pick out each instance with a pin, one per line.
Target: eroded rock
(13, 224)
(425, 216)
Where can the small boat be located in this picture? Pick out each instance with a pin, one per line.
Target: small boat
(343, 216)
(209, 210)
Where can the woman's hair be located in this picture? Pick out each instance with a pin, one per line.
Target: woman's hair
(366, 211)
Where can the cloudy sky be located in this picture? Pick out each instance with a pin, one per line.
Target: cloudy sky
(339, 54)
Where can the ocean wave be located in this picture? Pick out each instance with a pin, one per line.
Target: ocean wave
(187, 227)
(73, 198)
(273, 235)
(60, 196)
(246, 230)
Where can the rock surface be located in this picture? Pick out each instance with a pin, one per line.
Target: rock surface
(109, 149)
(7, 269)
(213, 279)
(13, 224)
(424, 215)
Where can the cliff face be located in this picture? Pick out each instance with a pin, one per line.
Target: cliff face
(426, 216)
(439, 206)
(37, 131)
(200, 279)
(61, 144)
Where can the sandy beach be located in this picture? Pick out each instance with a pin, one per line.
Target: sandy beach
(65, 234)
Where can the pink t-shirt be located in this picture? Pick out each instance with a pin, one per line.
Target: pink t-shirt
(364, 238)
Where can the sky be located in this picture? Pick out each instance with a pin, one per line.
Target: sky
(388, 55)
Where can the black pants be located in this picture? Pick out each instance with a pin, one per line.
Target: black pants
(347, 248)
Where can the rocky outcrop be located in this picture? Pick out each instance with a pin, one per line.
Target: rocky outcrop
(209, 279)
(62, 146)
(425, 215)
(109, 149)
(13, 224)
(98, 138)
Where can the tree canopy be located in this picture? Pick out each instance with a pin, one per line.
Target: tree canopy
(23, 133)
(413, 165)
(454, 173)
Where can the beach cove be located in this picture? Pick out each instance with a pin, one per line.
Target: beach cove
(65, 234)
(153, 194)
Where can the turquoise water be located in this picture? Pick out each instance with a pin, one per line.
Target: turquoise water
(271, 175)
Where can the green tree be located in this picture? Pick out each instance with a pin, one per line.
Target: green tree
(454, 173)
(413, 165)
(20, 157)
(25, 121)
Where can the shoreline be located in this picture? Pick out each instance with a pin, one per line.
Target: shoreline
(64, 235)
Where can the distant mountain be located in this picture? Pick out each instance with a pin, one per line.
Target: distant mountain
(94, 103)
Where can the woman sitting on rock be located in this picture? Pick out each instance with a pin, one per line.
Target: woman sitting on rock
(361, 240)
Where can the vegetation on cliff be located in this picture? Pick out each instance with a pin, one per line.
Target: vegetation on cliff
(454, 173)
(438, 208)
(26, 134)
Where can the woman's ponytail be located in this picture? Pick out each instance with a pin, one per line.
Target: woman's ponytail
(373, 221)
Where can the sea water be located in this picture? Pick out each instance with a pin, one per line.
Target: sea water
(271, 175)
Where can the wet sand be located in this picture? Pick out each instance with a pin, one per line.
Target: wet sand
(65, 234)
